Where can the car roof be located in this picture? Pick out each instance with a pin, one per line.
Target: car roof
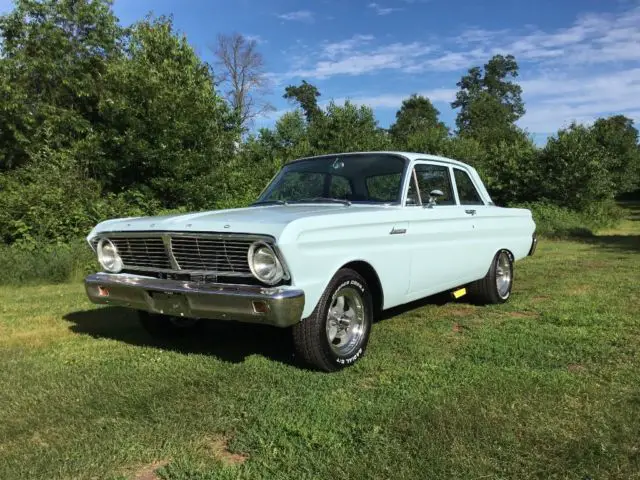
(408, 155)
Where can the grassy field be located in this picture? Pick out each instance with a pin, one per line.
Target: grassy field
(546, 386)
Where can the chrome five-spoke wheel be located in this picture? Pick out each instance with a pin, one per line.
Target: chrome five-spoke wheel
(345, 321)
(336, 334)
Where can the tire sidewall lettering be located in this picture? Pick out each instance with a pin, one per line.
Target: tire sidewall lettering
(363, 291)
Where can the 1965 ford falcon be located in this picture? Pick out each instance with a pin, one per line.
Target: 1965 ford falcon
(331, 242)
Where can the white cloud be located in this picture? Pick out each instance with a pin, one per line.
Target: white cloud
(298, 16)
(380, 10)
(354, 56)
(556, 100)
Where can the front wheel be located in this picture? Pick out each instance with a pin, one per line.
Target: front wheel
(496, 286)
(337, 332)
(166, 326)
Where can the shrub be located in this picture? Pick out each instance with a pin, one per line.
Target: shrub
(571, 171)
(557, 222)
(46, 263)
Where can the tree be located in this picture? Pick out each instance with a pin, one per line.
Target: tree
(571, 170)
(417, 117)
(306, 95)
(166, 130)
(619, 137)
(241, 73)
(54, 57)
(489, 102)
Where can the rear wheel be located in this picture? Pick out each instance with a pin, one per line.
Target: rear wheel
(166, 326)
(337, 332)
(496, 286)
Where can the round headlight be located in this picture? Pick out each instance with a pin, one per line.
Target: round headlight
(264, 263)
(108, 256)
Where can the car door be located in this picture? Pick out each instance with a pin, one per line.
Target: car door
(439, 231)
(485, 230)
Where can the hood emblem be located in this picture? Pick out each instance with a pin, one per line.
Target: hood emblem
(227, 226)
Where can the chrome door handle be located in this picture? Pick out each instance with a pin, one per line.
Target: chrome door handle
(470, 212)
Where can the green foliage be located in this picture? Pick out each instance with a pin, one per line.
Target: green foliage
(508, 170)
(306, 96)
(559, 222)
(572, 170)
(346, 128)
(619, 138)
(489, 103)
(417, 125)
(45, 263)
(49, 202)
(54, 57)
(166, 127)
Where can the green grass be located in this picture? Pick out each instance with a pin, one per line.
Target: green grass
(545, 386)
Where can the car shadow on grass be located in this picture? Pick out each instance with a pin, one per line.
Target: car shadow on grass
(229, 341)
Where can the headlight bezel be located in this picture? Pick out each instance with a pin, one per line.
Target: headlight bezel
(280, 270)
(116, 265)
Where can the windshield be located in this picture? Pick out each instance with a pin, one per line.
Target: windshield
(368, 178)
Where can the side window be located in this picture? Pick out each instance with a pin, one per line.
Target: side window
(433, 177)
(340, 187)
(467, 192)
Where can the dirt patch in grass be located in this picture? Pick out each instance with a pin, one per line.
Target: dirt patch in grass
(580, 290)
(575, 368)
(148, 472)
(459, 328)
(218, 448)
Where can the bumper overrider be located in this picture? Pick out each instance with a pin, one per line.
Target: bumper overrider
(278, 306)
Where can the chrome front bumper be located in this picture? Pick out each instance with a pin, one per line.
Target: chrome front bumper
(279, 306)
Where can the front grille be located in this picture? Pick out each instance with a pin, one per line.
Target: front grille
(214, 254)
(211, 254)
(147, 252)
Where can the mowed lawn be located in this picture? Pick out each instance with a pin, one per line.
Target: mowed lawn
(545, 386)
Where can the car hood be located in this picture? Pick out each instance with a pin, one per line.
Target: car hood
(264, 220)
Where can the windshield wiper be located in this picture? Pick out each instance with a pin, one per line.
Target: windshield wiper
(270, 202)
(325, 200)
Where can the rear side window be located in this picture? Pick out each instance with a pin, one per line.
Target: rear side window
(467, 192)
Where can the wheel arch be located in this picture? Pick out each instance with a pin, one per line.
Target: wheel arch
(373, 281)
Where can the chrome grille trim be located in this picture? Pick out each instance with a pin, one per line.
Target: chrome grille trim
(185, 252)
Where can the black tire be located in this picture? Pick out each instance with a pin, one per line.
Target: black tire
(311, 337)
(165, 326)
(486, 291)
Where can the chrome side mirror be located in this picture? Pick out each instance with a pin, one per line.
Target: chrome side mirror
(433, 196)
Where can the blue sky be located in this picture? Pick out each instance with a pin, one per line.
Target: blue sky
(579, 59)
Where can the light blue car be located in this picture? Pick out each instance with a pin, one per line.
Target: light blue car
(330, 243)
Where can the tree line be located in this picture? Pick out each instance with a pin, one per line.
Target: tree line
(98, 120)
